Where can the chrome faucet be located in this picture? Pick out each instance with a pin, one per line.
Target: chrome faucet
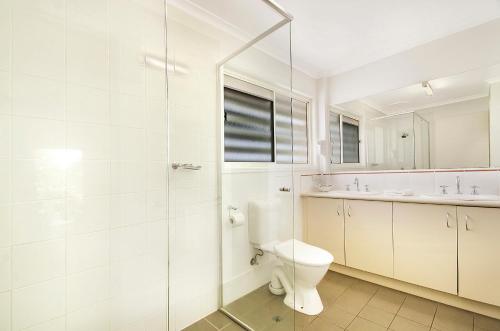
(356, 182)
(459, 191)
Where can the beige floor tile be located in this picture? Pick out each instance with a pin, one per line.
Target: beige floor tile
(365, 287)
(321, 324)
(418, 309)
(403, 324)
(330, 289)
(379, 316)
(360, 324)
(233, 327)
(263, 317)
(338, 316)
(302, 320)
(354, 299)
(201, 325)
(388, 300)
(452, 319)
(218, 319)
(486, 323)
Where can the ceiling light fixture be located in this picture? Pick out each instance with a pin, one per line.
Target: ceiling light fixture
(428, 88)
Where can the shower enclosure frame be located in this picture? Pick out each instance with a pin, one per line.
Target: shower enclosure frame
(286, 19)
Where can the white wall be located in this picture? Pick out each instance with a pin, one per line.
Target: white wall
(495, 124)
(459, 134)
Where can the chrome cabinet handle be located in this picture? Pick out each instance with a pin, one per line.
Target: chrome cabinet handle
(349, 210)
(338, 210)
(467, 228)
(448, 220)
(185, 166)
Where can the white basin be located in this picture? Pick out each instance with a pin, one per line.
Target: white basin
(464, 197)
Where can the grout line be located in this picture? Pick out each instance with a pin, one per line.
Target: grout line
(397, 312)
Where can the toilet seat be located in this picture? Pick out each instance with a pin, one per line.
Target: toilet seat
(302, 253)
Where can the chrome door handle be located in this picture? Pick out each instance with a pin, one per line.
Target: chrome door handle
(284, 189)
(185, 166)
(467, 228)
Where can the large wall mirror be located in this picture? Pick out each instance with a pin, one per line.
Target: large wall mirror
(448, 122)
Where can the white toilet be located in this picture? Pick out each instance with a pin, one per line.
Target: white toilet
(302, 265)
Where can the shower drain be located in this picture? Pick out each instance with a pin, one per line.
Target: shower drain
(277, 319)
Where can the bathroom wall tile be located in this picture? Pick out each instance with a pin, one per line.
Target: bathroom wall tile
(128, 242)
(5, 273)
(38, 179)
(87, 287)
(95, 318)
(157, 113)
(5, 138)
(37, 138)
(5, 34)
(422, 182)
(33, 26)
(36, 262)
(157, 175)
(5, 181)
(157, 205)
(89, 178)
(5, 94)
(128, 110)
(128, 144)
(87, 215)
(87, 57)
(38, 221)
(87, 251)
(488, 182)
(38, 303)
(157, 146)
(93, 141)
(5, 225)
(131, 273)
(87, 14)
(86, 104)
(5, 309)
(127, 71)
(38, 97)
(128, 177)
(127, 209)
(58, 324)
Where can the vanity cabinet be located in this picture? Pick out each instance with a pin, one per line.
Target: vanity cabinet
(325, 226)
(479, 254)
(425, 245)
(368, 236)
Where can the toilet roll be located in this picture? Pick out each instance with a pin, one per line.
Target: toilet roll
(236, 217)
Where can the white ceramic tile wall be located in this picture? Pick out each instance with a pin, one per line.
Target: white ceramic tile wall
(83, 136)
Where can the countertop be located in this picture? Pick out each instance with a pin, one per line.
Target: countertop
(401, 198)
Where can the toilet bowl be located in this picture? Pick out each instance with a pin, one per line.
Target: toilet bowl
(302, 267)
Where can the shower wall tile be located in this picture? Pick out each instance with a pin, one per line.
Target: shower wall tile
(86, 215)
(87, 251)
(38, 179)
(34, 138)
(95, 317)
(5, 272)
(128, 110)
(5, 34)
(37, 262)
(38, 97)
(87, 105)
(38, 303)
(5, 310)
(5, 92)
(5, 181)
(5, 225)
(58, 324)
(92, 141)
(88, 178)
(41, 28)
(86, 288)
(5, 138)
(38, 221)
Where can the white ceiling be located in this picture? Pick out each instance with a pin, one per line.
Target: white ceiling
(334, 36)
(468, 85)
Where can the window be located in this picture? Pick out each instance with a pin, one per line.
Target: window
(263, 126)
(344, 139)
(248, 127)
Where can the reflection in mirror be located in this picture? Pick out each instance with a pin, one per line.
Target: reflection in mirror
(443, 123)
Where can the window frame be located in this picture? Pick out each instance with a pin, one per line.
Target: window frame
(352, 117)
(263, 166)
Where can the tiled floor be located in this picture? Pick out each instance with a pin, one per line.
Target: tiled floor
(350, 304)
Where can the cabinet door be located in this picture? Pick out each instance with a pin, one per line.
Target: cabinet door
(478, 254)
(368, 236)
(425, 245)
(325, 226)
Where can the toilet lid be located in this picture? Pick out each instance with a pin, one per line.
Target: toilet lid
(302, 253)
